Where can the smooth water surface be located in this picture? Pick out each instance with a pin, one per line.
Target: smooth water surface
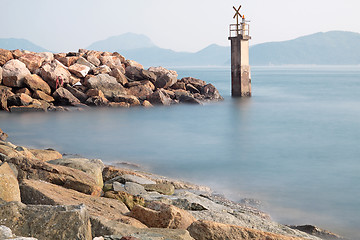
(294, 145)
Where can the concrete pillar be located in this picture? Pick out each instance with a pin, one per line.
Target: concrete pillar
(240, 67)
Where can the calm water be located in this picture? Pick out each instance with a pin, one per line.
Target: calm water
(294, 144)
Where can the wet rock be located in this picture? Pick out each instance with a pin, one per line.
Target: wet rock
(9, 186)
(64, 97)
(188, 99)
(203, 230)
(119, 75)
(159, 98)
(52, 72)
(4, 95)
(315, 231)
(79, 70)
(29, 108)
(32, 61)
(14, 73)
(77, 93)
(129, 200)
(132, 100)
(3, 136)
(166, 189)
(20, 99)
(46, 154)
(107, 84)
(210, 92)
(46, 222)
(34, 82)
(197, 83)
(60, 175)
(161, 215)
(5, 56)
(43, 96)
(93, 167)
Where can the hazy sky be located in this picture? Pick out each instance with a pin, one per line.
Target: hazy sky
(186, 25)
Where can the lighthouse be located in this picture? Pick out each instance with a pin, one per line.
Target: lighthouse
(240, 67)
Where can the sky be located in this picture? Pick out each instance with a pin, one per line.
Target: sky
(186, 25)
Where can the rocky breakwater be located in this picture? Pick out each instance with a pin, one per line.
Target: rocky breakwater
(45, 81)
(44, 195)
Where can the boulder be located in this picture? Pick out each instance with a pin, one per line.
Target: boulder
(95, 93)
(119, 75)
(165, 81)
(166, 189)
(9, 186)
(191, 88)
(51, 72)
(17, 53)
(5, 56)
(85, 62)
(60, 175)
(1, 75)
(79, 70)
(188, 99)
(14, 73)
(129, 200)
(197, 83)
(3, 136)
(20, 99)
(160, 215)
(132, 100)
(179, 85)
(6, 233)
(32, 61)
(140, 91)
(124, 178)
(210, 92)
(107, 84)
(43, 96)
(47, 56)
(77, 93)
(43, 193)
(93, 60)
(64, 97)
(4, 95)
(111, 61)
(103, 69)
(121, 57)
(146, 103)
(134, 189)
(203, 230)
(97, 101)
(93, 167)
(46, 154)
(159, 98)
(132, 63)
(159, 71)
(34, 82)
(68, 60)
(23, 90)
(46, 222)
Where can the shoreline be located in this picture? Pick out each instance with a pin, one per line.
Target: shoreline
(199, 201)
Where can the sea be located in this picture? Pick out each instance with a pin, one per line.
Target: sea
(294, 145)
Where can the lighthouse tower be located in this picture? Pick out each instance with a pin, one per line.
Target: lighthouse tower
(240, 67)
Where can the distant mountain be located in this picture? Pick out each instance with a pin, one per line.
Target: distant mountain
(18, 43)
(330, 48)
(122, 42)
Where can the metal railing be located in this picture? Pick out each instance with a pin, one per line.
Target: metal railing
(242, 29)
